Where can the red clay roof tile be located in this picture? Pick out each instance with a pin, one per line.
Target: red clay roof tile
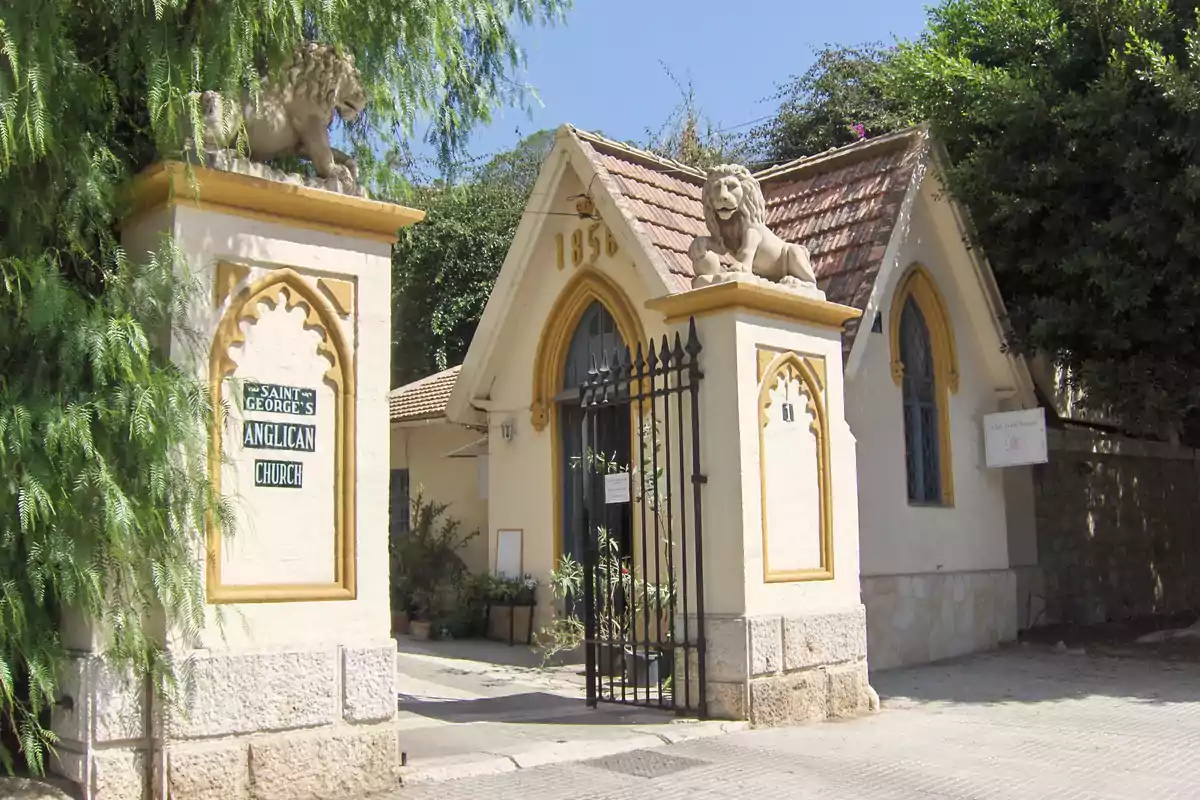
(842, 205)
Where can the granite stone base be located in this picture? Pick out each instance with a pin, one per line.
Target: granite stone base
(915, 619)
(304, 723)
(782, 670)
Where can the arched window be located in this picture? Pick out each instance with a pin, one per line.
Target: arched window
(596, 338)
(925, 367)
(921, 443)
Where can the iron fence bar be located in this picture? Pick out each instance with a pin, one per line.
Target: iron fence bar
(677, 357)
(589, 559)
(698, 479)
(665, 357)
(680, 591)
(605, 551)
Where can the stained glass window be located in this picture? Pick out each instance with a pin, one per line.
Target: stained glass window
(921, 439)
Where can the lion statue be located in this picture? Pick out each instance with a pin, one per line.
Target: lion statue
(292, 116)
(735, 212)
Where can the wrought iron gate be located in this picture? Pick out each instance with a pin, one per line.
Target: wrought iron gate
(643, 561)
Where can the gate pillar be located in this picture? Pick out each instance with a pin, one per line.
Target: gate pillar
(287, 685)
(784, 625)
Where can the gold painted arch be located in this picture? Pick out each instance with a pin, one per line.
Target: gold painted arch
(587, 286)
(918, 284)
(584, 288)
(289, 287)
(794, 366)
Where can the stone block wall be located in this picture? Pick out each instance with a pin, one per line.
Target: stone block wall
(246, 726)
(802, 668)
(1117, 529)
(915, 619)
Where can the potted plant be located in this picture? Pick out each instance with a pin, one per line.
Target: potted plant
(427, 570)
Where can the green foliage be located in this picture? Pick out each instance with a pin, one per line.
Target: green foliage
(427, 569)
(102, 449)
(443, 269)
(1072, 128)
(101, 440)
(840, 99)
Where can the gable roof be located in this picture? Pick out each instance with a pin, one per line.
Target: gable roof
(845, 205)
(426, 398)
(842, 205)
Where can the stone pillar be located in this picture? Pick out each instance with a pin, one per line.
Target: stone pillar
(288, 689)
(785, 627)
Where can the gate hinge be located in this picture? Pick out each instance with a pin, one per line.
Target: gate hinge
(699, 479)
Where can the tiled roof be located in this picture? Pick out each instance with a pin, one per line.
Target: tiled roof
(423, 399)
(841, 204)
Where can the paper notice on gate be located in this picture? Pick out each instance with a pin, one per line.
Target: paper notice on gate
(616, 488)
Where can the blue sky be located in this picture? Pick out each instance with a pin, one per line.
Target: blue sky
(602, 70)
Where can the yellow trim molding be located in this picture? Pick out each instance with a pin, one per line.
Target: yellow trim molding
(287, 286)
(585, 287)
(760, 298)
(168, 184)
(341, 293)
(228, 277)
(774, 365)
(918, 284)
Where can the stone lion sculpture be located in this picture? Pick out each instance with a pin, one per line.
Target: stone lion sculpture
(735, 212)
(293, 113)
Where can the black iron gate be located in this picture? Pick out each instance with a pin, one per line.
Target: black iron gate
(643, 562)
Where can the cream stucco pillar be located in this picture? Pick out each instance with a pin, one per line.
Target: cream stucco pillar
(289, 684)
(785, 629)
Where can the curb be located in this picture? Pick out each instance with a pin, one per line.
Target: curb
(473, 765)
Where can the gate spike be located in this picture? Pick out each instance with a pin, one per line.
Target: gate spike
(666, 352)
(639, 363)
(693, 342)
(678, 352)
(652, 359)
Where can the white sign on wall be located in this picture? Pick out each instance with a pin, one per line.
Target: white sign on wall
(509, 557)
(616, 488)
(1015, 438)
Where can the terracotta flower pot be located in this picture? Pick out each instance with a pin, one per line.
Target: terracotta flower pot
(419, 629)
(399, 622)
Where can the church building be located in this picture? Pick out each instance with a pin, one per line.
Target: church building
(943, 538)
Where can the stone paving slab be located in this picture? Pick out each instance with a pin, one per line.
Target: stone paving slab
(470, 709)
(1020, 724)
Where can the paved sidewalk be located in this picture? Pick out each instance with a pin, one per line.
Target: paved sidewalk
(1015, 725)
(475, 708)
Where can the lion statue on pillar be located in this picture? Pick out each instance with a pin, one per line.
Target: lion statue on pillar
(293, 112)
(735, 212)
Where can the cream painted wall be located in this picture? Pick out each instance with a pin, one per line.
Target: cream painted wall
(897, 538)
(522, 476)
(422, 449)
(205, 237)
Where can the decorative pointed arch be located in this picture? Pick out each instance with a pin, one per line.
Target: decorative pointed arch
(917, 285)
(774, 366)
(584, 288)
(288, 287)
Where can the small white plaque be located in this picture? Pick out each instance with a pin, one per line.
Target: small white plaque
(1015, 438)
(508, 553)
(616, 488)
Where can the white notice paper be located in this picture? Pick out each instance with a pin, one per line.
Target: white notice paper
(1015, 438)
(616, 488)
